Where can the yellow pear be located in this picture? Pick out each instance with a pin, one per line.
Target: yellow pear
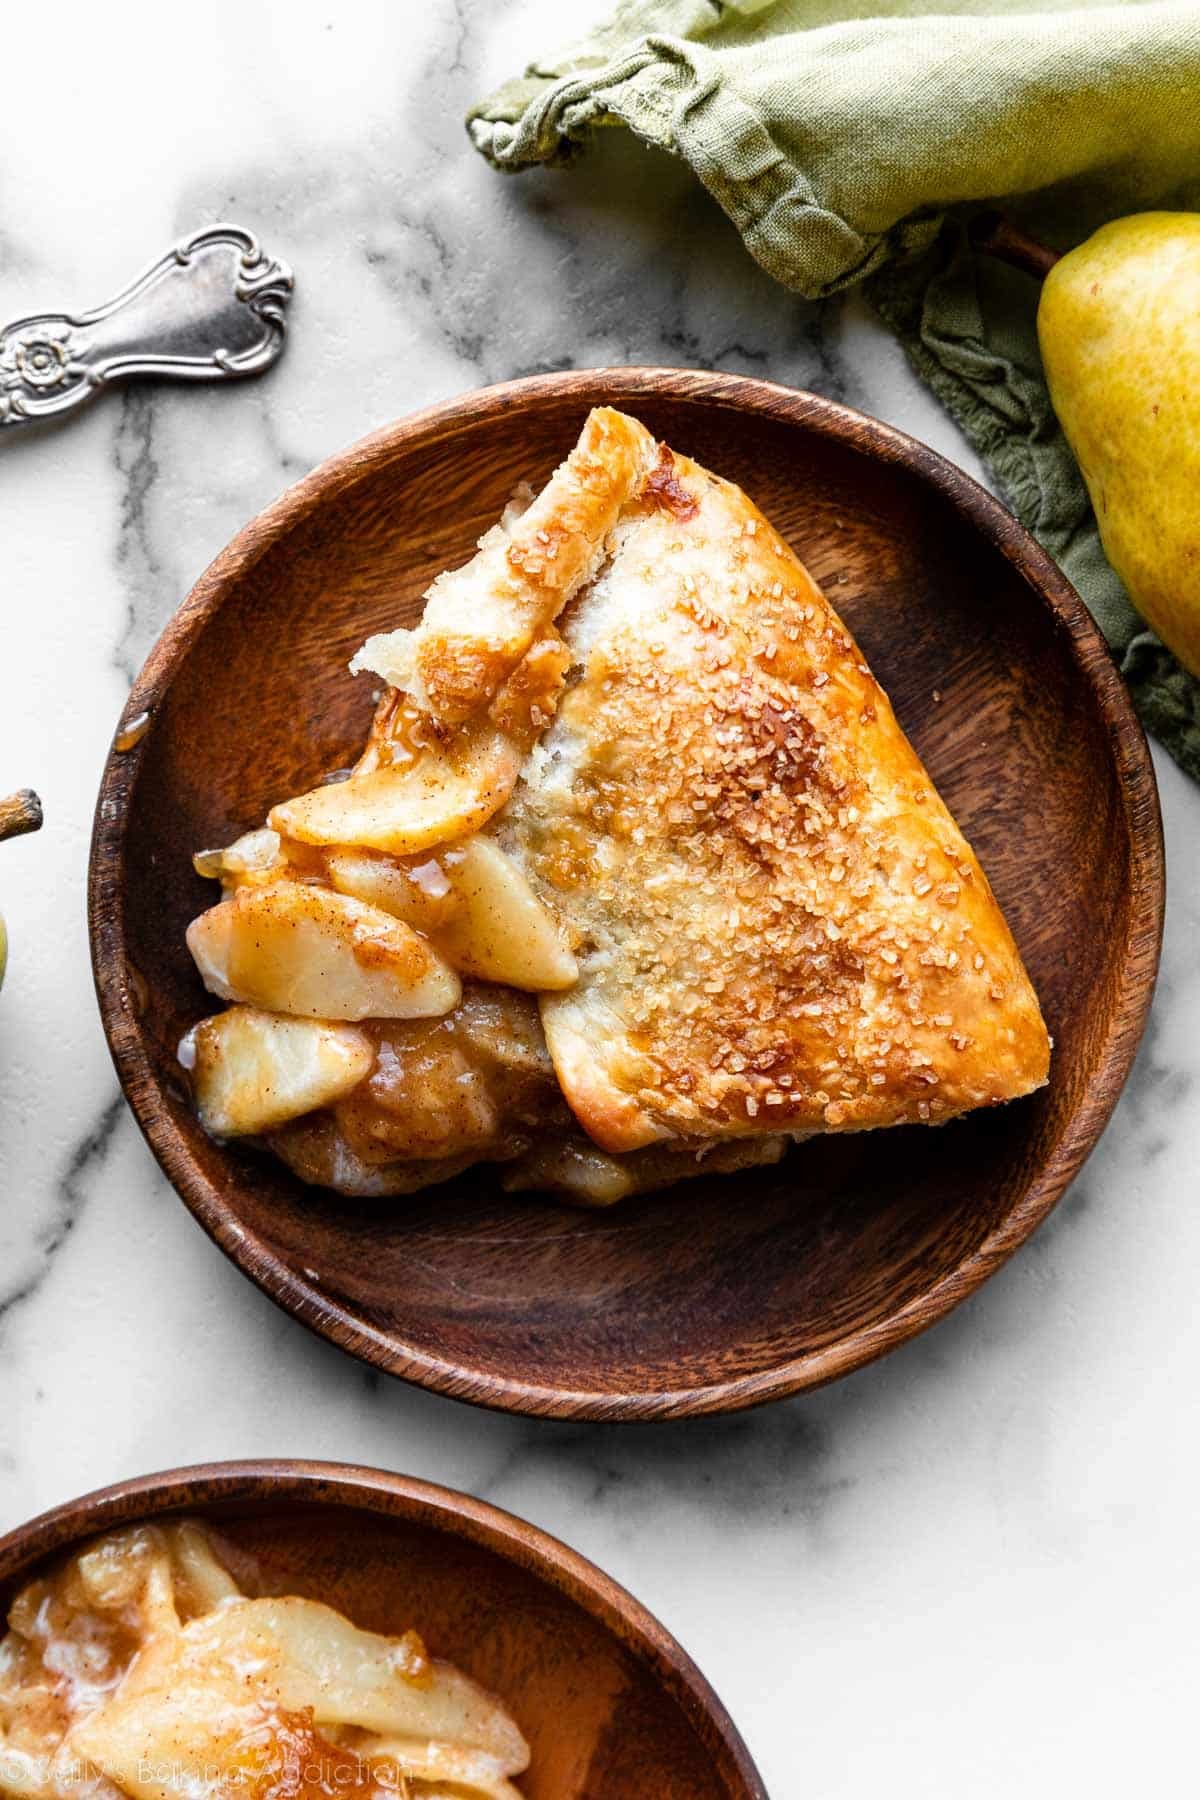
(19, 813)
(1119, 327)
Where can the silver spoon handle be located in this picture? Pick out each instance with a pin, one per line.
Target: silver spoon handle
(213, 306)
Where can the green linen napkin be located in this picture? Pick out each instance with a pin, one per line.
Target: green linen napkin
(849, 140)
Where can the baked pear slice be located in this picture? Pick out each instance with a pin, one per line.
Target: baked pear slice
(440, 793)
(254, 1070)
(294, 947)
(475, 906)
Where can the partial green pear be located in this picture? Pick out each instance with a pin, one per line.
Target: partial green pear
(1119, 327)
(19, 813)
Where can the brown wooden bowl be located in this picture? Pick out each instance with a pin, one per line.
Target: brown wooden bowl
(725, 1291)
(609, 1702)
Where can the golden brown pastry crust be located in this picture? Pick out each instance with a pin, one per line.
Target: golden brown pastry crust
(481, 620)
(779, 925)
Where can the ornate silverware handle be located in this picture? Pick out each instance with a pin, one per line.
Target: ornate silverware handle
(213, 306)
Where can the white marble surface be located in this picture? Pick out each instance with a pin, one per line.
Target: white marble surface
(970, 1569)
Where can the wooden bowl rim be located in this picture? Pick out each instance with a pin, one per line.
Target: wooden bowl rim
(1138, 789)
(423, 1503)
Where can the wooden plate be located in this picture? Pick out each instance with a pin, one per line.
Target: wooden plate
(724, 1291)
(608, 1701)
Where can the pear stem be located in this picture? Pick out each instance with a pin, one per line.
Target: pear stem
(19, 813)
(997, 236)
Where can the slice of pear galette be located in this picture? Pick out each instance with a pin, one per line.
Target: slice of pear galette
(637, 877)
